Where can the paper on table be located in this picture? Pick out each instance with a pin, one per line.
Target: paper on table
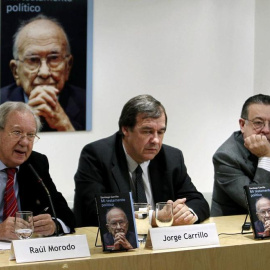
(5, 245)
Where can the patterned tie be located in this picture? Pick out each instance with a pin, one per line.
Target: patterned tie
(10, 202)
(140, 193)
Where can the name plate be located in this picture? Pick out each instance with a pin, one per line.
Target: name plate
(184, 236)
(50, 248)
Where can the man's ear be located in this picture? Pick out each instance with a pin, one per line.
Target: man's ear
(14, 69)
(242, 123)
(125, 130)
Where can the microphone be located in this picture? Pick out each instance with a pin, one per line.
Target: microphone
(48, 193)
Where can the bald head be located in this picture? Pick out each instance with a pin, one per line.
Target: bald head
(40, 32)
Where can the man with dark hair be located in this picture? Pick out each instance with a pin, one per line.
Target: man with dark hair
(118, 237)
(243, 159)
(134, 159)
(19, 188)
(41, 67)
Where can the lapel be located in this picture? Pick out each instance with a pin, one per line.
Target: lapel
(119, 166)
(160, 178)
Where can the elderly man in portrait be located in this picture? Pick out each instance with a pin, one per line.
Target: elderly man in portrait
(262, 225)
(41, 67)
(118, 237)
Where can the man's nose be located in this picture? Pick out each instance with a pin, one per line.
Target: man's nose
(155, 138)
(266, 128)
(267, 214)
(118, 225)
(44, 69)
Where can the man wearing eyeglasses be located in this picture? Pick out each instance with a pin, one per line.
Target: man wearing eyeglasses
(243, 159)
(41, 67)
(118, 236)
(19, 187)
(262, 226)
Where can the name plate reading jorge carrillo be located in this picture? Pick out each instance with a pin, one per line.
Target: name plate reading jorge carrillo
(184, 236)
(50, 248)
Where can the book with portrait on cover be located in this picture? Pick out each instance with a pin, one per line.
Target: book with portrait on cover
(116, 221)
(258, 200)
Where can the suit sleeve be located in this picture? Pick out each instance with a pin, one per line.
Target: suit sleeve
(186, 189)
(233, 173)
(62, 210)
(89, 180)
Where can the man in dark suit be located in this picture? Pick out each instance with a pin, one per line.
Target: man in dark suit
(41, 67)
(109, 165)
(243, 159)
(118, 236)
(18, 128)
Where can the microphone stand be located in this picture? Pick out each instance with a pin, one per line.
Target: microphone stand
(49, 196)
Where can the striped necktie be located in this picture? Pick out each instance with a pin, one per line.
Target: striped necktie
(140, 192)
(10, 201)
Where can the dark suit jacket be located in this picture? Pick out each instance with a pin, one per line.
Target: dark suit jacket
(34, 198)
(259, 227)
(108, 240)
(103, 169)
(71, 98)
(235, 167)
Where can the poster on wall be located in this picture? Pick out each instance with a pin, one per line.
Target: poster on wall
(46, 60)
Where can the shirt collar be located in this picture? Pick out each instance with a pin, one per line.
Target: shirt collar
(132, 164)
(3, 166)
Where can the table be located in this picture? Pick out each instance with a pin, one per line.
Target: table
(235, 252)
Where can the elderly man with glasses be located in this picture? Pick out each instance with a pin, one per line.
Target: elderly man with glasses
(243, 159)
(19, 187)
(118, 237)
(262, 225)
(41, 67)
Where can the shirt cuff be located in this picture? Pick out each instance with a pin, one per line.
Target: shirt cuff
(194, 214)
(264, 163)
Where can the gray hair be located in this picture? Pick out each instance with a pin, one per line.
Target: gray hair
(142, 104)
(26, 22)
(258, 200)
(10, 106)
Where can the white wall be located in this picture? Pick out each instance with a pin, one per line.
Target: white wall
(196, 57)
(262, 47)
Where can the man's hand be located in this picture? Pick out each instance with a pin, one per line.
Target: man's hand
(44, 101)
(181, 213)
(258, 145)
(44, 225)
(120, 240)
(7, 229)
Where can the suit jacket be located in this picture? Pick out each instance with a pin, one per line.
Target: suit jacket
(103, 169)
(71, 98)
(108, 240)
(235, 167)
(33, 196)
(259, 227)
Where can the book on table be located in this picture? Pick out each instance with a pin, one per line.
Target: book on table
(116, 221)
(258, 201)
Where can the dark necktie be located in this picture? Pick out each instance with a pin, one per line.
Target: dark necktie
(10, 201)
(140, 192)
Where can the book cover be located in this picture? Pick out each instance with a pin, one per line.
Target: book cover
(258, 200)
(73, 83)
(117, 221)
